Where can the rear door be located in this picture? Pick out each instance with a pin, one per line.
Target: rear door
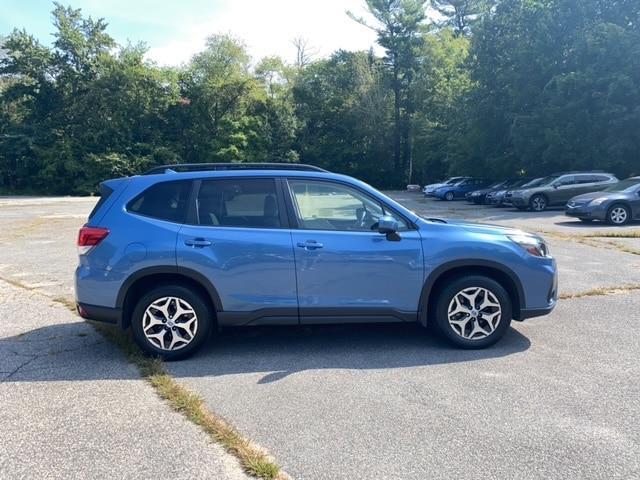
(346, 270)
(237, 236)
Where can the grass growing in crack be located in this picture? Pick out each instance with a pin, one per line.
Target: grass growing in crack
(254, 461)
(595, 292)
(631, 234)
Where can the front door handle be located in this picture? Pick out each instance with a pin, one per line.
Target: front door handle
(197, 242)
(310, 245)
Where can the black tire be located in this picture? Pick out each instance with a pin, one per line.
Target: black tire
(204, 318)
(449, 196)
(538, 203)
(614, 214)
(445, 296)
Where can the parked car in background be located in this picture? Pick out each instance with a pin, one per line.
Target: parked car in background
(506, 199)
(182, 251)
(558, 189)
(617, 204)
(496, 197)
(480, 196)
(460, 189)
(428, 190)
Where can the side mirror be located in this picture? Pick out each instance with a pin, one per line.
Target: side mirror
(387, 225)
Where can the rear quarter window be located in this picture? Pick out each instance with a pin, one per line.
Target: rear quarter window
(164, 201)
(105, 193)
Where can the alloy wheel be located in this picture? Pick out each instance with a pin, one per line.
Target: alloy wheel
(538, 204)
(474, 313)
(618, 215)
(170, 323)
(449, 196)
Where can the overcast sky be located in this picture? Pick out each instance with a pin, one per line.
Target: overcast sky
(175, 30)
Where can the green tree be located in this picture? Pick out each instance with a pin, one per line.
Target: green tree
(461, 14)
(398, 25)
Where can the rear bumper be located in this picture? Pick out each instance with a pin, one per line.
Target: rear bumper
(98, 313)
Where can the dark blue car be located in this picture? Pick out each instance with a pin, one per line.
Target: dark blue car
(460, 189)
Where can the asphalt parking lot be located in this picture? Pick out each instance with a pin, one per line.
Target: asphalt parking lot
(557, 398)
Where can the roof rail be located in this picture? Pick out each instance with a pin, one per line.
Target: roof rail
(203, 167)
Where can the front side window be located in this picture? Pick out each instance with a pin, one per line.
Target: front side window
(250, 202)
(568, 180)
(329, 206)
(164, 201)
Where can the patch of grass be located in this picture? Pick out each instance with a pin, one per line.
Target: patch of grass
(600, 292)
(254, 461)
(66, 302)
(626, 234)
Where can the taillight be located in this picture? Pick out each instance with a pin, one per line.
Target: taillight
(89, 237)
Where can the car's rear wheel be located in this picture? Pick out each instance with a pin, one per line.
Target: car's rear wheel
(538, 203)
(618, 215)
(449, 196)
(473, 311)
(171, 321)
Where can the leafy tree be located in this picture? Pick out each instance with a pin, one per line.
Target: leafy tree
(398, 27)
(461, 14)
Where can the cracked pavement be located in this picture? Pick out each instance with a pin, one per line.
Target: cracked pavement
(72, 406)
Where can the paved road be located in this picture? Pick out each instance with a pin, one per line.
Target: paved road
(558, 398)
(72, 406)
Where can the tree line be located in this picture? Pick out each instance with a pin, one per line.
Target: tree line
(494, 88)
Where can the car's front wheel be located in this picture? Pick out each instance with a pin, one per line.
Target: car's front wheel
(538, 203)
(449, 196)
(473, 311)
(618, 215)
(171, 321)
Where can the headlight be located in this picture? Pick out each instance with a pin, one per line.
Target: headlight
(536, 246)
(598, 201)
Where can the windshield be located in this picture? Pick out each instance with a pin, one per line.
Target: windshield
(498, 184)
(453, 180)
(543, 181)
(624, 186)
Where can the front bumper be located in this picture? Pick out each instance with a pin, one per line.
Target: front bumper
(586, 212)
(520, 201)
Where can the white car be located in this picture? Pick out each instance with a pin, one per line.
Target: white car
(429, 189)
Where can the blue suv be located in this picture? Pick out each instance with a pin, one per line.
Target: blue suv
(184, 250)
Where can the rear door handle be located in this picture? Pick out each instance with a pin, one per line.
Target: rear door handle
(310, 245)
(197, 242)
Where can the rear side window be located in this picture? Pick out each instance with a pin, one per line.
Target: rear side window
(105, 193)
(164, 201)
(242, 202)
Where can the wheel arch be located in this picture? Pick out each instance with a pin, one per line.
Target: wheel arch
(136, 283)
(498, 272)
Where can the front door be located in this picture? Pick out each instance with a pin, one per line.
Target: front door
(241, 243)
(346, 270)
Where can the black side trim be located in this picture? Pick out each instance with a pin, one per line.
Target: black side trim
(170, 269)
(263, 316)
(353, 315)
(446, 267)
(100, 314)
